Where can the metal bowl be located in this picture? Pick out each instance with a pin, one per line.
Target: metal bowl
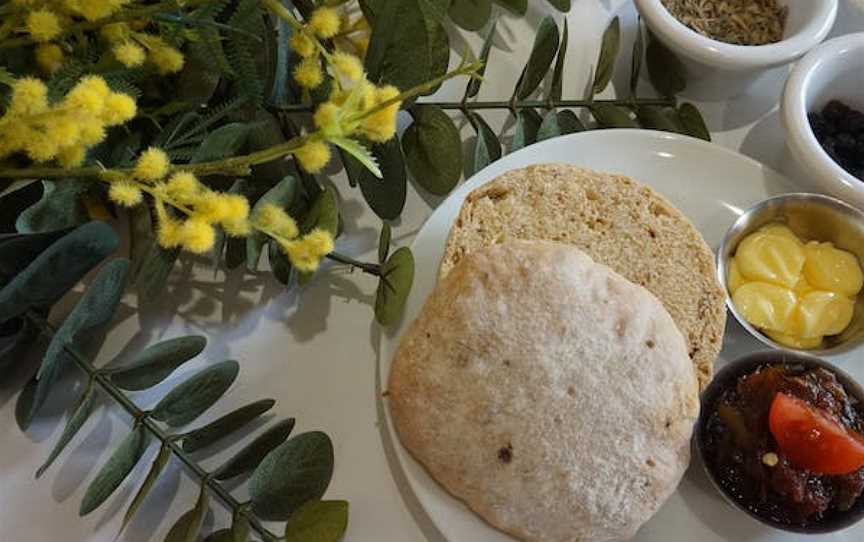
(811, 217)
(726, 378)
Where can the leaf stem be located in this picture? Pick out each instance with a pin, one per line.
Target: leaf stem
(140, 417)
(370, 268)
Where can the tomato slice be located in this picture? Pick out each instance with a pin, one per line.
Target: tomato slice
(813, 440)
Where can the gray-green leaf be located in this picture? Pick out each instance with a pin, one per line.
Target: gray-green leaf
(527, 124)
(636, 60)
(433, 149)
(292, 474)
(664, 68)
(397, 276)
(608, 54)
(556, 90)
(156, 469)
(224, 141)
(474, 83)
(384, 243)
(224, 426)
(559, 123)
(95, 308)
(692, 121)
(191, 398)
(659, 118)
(470, 14)
(542, 54)
(57, 269)
(318, 521)
(360, 153)
(188, 526)
(59, 208)
(115, 470)
(561, 5)
(154, 272)
(79, 415)
(240, 528)
(488, 148)
(519, 7)
(386, 196)
(613, 116)
(281, 195)
(157, 362)
(253, 453)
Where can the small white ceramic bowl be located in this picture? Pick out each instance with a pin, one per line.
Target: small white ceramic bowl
(834, 70)
(716, 70)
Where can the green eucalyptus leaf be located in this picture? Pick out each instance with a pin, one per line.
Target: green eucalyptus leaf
(115, 470)
(636, 59)
(612, 116)
(474, 83)
(556, 90)
(24, 404)
(559, 123)
(664, 68)
(282, 196)
(18, 251)
(561, 5)
(15, 199)
(20, 336)
(224, 141)
(95, 308)
(57, 269)
(59, 208)
(188, 527)
(549, 127)
(359, 152)
(253, 453)
(519, 7)
(141, 237)
(692, 121)
(292, 474)
(433, 149)
(156, 363)
(153, 273)
(397, 276)
(386, 196)
(659, 118)
(527, 124)
(222, 535)
(488, 147)
(470, 14)
(280, 265)
(608, 54)
(192, 397)
(240, 528)
(156, 468)
(324, 213)
(79, 415)
(384, 243)
(218, 429)
(542, 54)
(318, 521)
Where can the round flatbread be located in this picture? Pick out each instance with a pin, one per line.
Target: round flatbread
(616, 221)
(551, 395)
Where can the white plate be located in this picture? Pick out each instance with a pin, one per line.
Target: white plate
(712, 186)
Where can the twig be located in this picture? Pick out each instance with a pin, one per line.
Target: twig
(370, 268)
(525, 104)
(140, 416)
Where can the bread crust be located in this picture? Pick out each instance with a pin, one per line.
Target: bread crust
(616, 221)
(551, 395)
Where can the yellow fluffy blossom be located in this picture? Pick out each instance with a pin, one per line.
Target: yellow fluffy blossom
(152, 165)
(91, 130)
(381, 125)
(114, 32)
(237, 228)
(125, 193)
(129, 53)
(88, 95)
(313, 156)
(43, 25)
(325, 22)
(347, 66)
(306, 253)
(167, 59)
(183, 187)
(327, 119)
(308, 73)
(197, 235)
(94, 10)
(72, 156)
(169, 232)
(29, 97)
(212, 207)
(41, 147)
(302, 44)
(238, 208)
(49, 56)
(119, 108)
(273, 219)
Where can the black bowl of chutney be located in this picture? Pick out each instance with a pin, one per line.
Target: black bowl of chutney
(743, 439)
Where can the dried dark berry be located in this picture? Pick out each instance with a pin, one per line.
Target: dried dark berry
(835, 111)
(853, 123)
(840, 131)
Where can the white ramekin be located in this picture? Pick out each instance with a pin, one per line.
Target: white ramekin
(834, 70)
(716, 70)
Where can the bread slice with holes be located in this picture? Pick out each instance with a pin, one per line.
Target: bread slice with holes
(617, 222)
(551, 395)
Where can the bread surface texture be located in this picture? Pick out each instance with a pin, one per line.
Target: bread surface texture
(617, 222)
(551, 395)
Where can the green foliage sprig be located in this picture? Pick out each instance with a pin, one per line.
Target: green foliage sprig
(288, 476)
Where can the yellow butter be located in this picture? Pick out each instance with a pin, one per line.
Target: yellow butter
(794, 342)
(765, 305)
(780, 230)
(829, 268)
(770, 258)
(821, 313)
(733, 276)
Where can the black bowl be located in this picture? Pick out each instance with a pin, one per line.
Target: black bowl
(723, 380)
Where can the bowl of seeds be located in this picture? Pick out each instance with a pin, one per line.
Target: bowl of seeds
(823, 114)
(724, 46)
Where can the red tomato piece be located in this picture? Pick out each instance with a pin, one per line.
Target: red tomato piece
(813, 440)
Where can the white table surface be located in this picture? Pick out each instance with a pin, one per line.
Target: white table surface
(315, 350)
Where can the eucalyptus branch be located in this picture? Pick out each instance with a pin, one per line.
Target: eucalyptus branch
(166, 440)
(370, 268)
(124, 15)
